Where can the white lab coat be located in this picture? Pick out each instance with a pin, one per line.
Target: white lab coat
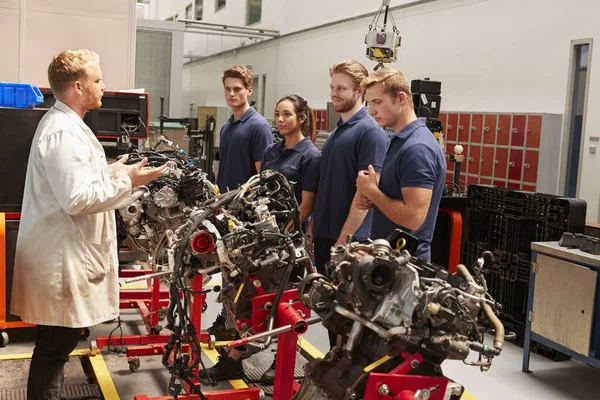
(66, 264)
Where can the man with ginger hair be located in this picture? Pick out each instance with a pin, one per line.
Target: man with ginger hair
(409, 189)
(66, 264)
(354, 144)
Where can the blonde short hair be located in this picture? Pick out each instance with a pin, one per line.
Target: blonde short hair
(355, 70)
(392, 80)
(239, 72)
(68, 67)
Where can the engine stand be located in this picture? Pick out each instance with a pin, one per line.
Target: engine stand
(196, 306)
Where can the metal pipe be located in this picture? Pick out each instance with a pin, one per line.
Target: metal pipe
(194, 22)
(270, 333)
(149, 276)
(499, 336)
(225, 34)
(386, 334)
(353, 336)
(206, 271)
(289, 315)
(272, 35)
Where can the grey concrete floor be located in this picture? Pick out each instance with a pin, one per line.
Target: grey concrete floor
(549, 380)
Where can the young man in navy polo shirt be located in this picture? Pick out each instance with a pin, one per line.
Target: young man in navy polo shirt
(244, 138)
(412, 180)
(356, 143)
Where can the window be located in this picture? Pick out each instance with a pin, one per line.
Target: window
(199, 9)
(253, 11)
(220, 4)
(255, 93)
(263, 94)
(578, 104)
(188, 12)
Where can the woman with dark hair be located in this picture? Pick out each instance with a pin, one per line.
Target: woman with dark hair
(296, 157)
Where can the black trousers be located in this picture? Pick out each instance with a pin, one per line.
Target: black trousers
(322, 257)
(53, 345)
(322, 253)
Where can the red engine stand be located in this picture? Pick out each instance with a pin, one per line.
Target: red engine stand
(290, 312)
(196, 306)
(144, 345)
(397, 385)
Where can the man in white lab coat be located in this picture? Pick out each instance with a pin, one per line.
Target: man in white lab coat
(66, 265)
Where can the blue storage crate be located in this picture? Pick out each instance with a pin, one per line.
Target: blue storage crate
(19, 95)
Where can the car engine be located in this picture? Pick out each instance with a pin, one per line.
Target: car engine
(251, 235)
(395, 305)
(165, 204)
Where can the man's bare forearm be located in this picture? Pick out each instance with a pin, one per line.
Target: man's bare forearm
(353, 221)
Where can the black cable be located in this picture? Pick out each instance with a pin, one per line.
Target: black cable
(121, 350)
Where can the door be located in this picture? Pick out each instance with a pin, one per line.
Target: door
(579, 85)
(568, 323)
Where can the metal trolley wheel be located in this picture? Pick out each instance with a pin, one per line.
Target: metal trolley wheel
(85, 334)
(134, 363)
(3, 339)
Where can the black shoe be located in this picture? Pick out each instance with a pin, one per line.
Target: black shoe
(225, 369)
(268, 377)
(219, 331)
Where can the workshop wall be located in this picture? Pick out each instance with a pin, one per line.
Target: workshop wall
(491, 56)
(286, 16)
(33, 31)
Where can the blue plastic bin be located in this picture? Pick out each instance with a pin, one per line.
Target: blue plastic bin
(19, 95)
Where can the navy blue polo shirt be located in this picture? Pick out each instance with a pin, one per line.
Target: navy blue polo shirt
(300, 164)
(414, 159)
(351, 147)
(243, 143)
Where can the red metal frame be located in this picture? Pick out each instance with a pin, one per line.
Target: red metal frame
(196, 303)
(402, 386)
(456, 223)
(143, 344)
(4, 324)
(289, 310)
(234, 394)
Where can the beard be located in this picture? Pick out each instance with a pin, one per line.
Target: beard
(346, 105)
(93, 102)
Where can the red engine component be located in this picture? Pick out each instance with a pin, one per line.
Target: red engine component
(203, 243)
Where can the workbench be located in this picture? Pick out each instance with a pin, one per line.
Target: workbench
(563, 305)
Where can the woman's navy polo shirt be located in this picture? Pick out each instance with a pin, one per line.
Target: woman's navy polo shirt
(300, 164)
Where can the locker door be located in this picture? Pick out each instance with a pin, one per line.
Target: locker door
(530, 169)
(476, 128)
(501, 163)
(487, 161)
(324, 120)
(518, 131)
(474, 159)
(489, 129)
(515, 165)
(464, 123)
(534, 131)
(513, 185)
(451, 129)
(503, 130)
